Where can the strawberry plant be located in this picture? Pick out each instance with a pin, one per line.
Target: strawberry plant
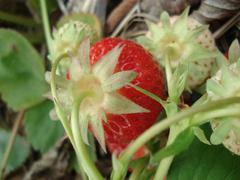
(100, 97)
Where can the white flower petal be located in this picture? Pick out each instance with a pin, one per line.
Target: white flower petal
(118, 80)
(106, 65)
(116, 104)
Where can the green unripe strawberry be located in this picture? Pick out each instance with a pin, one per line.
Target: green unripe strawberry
(89, 19)
(223, 85)
(182, 40)
(67, 38)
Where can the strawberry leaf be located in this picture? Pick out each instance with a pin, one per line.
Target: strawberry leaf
(181, 143)
(22, 83)
(37, 123)
(201, 161)
(19, 153)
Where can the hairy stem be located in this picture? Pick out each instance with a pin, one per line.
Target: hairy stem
(166, 123)
(82, 152)
(166, 162)
(46, 24)
(59, 109)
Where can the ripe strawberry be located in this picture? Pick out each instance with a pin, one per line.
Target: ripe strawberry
(96, 81)
(182, 39)
(121, 129)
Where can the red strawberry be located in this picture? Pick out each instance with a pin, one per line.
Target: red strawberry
(120, 130)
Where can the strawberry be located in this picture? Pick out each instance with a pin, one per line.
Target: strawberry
(226, 84)
(182, 39)
(121, 129)
(96, 81)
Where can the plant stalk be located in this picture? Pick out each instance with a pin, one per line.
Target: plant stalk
(82, 152)
(17, 124)
(167, 122)
(61, 114)
(46, 24)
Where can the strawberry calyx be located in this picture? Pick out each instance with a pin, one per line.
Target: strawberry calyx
(66, 39)
(96, 86)
(177, 43)
(174, 41)
(223, 85)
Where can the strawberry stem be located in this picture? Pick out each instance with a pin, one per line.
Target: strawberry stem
(167, 122)
(46, 24)
(168, 70)
(73, 132)
(82, 152)
(60, 112)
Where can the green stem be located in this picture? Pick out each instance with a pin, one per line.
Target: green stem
(166, 123)
(46, 24)
(60, 112)
(163, 168)
(18, 19)
(82, 152)
(168, 70)
(206, 117)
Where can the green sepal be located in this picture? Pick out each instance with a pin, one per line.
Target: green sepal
(199, 133)
(180, 25)
(234, 51)
(165, 19)
(177, 83)
(220, 133)
(215, 88)
(156, 34)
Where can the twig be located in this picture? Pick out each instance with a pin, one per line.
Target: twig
(18, 122)
(231, 22)
(125, 20)
(118, 14)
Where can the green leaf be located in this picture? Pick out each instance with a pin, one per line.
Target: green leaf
(181, 143)
(22, 81)
(203, 162)
(41, 131)
(199, 133)
(234, 51)
(19, 153)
